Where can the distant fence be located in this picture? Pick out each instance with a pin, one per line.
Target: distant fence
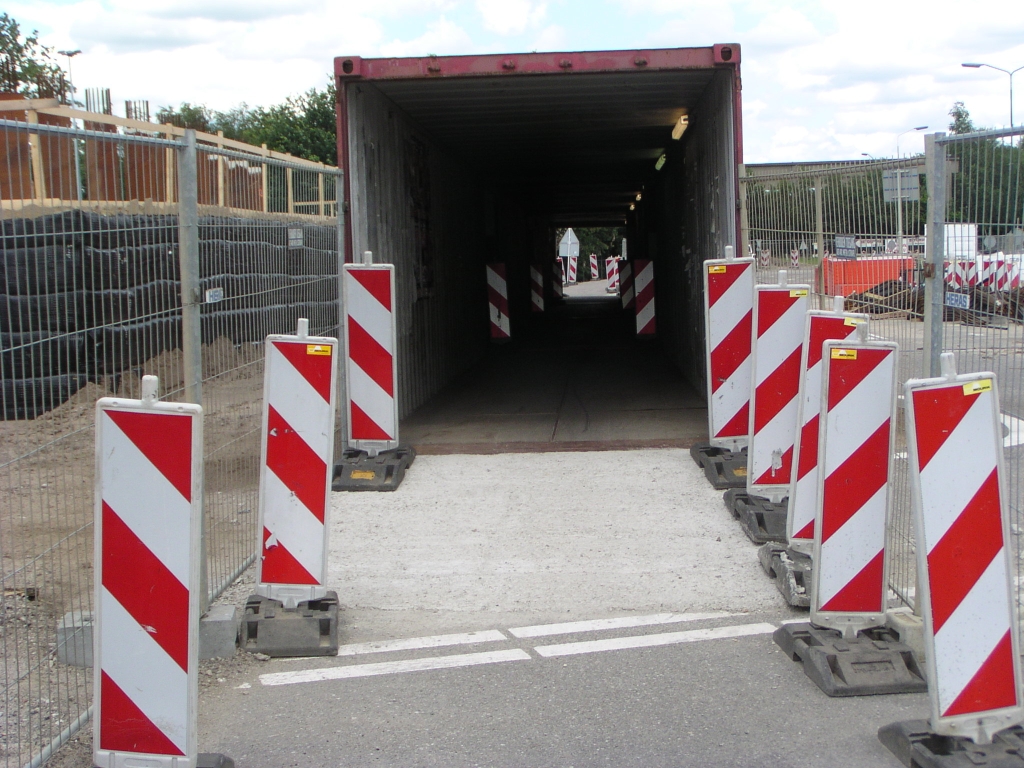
(932, 247)
(126, 252)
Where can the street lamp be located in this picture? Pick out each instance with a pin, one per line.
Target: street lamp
(899, 191)
(978, 65)
(71, 84)
(71, 77)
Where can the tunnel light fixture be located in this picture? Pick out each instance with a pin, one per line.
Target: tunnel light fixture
(632, 206)
(661, 163)
(638, 196)
(680, 127)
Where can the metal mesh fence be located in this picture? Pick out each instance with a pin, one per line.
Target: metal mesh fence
(858, 230)
(93, 271)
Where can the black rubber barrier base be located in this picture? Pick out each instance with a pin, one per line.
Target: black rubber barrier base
(722, 467)
(311, 629)
(791, 571)
(214, 760)
(914, 745)
(875, 662)
(358, 471)
(762, 520)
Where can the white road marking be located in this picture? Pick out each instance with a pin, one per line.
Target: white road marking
(414, 643)
(392, 667)
(1015, 428)
(624, 622)
(647, 641)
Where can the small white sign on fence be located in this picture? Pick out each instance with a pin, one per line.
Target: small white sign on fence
(846, 247)
(958, 300)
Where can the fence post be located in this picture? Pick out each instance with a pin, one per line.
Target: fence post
(191, 336)
(341, 210)
(819, 221)
(935, 243)
(36, 158)
(744, 216)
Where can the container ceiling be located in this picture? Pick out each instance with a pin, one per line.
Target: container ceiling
(580, 145)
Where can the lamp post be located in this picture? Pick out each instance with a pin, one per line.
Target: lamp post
(899, 191)
(71, 83)
(1011, 73)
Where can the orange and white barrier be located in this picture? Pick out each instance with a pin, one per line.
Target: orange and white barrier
(536, 289)
(299, 411)
(779, 316)
(821, 326)
(149, 501)
(371, 369)
(497, 299)
(646, 324)
(626, 292)
(611, 269)
(858, 400)
(728, 317)
(963, 554)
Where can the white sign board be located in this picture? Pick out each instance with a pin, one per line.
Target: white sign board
(569, 245)
(846, 247)
(900, 180)
(961, 241)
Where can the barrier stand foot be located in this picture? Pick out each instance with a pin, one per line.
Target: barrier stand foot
(914, 745)
(791, 571)
(874, 662)
(358, 471)
(723, 468)
(214, 760)
(311, 629)
(762, 520)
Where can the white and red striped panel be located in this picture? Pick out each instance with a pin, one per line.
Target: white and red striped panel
(558, 278)
(856, 434)
(646, 324)
(803, 493)
(536, 289)
(611, 269)
(594, 272)
(728, 317)
(573, 267)
(995, 272)
(497, 301)
(148, 517)
(955, 442)
(299, 409)
(779, 317)
(371, 372)
(626, 292)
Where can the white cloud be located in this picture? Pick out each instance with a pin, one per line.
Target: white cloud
(510, 17)
(442, 37)
(551, 38)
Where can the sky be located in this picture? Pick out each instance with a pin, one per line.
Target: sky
(825, 80)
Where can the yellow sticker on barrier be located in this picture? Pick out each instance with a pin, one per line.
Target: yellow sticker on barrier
(853, 321)
(362, 474)
(977, 387)
(318, 349)
(794, 294)
(719, 269)
(844, 354)
(740, 471)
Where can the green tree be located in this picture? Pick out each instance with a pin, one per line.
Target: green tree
(961, 122)
(27, 67)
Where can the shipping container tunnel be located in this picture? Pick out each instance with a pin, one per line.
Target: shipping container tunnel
(452, 163)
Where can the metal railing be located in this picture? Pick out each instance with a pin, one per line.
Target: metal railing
(936, 264)
(124, 254)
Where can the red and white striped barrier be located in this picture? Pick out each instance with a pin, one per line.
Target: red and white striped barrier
(611, 269)
(497, 300)
(964, 568)
(626, 292)
(644, 284)
(371, 368)
(779, 316)
(821, 326)
(728, 317)
(858, 400)
(997, 272)
(594, 272)
(299, 410)
(558, 278)
(573, 264)
(149, 503)
(536, 289)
